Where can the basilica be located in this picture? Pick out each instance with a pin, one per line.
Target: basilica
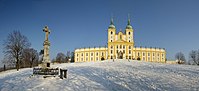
(120, 46)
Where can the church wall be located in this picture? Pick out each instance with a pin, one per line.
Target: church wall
(150, 54)
(90, 54)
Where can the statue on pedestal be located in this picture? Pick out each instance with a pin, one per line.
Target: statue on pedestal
(46, 58)
(45, 68)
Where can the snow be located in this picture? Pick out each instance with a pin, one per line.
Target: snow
(120, 75)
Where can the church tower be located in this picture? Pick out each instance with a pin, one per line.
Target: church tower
(111, 32)
(129, 33)
(111, 38)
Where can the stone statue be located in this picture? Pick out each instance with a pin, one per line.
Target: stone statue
(46, 58)
(47, 31)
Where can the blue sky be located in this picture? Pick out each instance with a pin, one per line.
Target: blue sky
(170, 24)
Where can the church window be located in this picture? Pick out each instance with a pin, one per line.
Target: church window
(96, 54)
(129, 51)
(111, 57)
(153, 54)
(82, 59)
(102, 54)
(162, 55)
(86, 54)
(82, 54)
(120, 36)
(123, 46)
(111, 47)
(129, 33)
(111, 40)
(96, 58)
(129, 41)
(91, 54)
(138, 54)
(111, 32)
(111, 51)
(117, 46)
(117, 51)
(129, 47)
(143, 54)
(123, 51)
(148, 54)
(91, 59)
(77, 55)
(120, 46)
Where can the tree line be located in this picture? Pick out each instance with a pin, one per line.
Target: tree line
(192, 60)
(62, 58)
(18, 53)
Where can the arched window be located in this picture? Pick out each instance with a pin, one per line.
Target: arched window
(111, 47)
(129, 33)
(120, 36)
(111, 32)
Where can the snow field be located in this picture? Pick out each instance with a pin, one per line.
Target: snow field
(120, 75)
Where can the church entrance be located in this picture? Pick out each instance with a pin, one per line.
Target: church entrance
(120, 55)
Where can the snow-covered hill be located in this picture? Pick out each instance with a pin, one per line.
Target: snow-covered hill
(120, 75)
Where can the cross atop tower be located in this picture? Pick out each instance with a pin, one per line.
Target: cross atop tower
(47, 31)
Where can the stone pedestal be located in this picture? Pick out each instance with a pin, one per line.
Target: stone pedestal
(46, 57)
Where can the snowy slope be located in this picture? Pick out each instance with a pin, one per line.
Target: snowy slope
(120, 75)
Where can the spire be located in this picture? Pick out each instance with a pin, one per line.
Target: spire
(129, 19)
(111, 21)
(129, 23)
(111, 25)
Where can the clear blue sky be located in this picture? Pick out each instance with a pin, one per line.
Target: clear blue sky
(170, 24)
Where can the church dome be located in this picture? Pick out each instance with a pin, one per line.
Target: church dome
(111, 25)
(129, 27)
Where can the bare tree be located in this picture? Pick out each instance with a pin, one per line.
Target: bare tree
(68, 56)
(60, 57)
(180, 57)
(8, 61)
(194, 57)
(53, 60)
(72, 57)
(30, 57)
(14, 45)
(41, 55)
